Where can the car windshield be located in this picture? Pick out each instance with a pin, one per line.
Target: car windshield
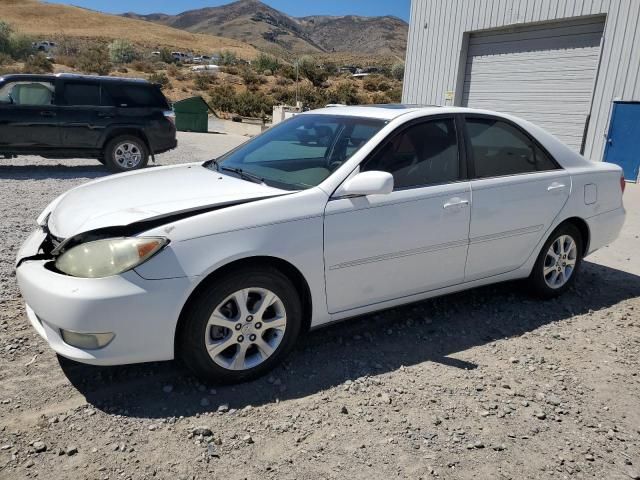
(301, 152)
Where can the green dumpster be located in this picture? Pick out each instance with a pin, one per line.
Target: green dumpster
(192, 115)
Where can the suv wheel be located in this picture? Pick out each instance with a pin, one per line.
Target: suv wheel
(241, 326)
(126, 153)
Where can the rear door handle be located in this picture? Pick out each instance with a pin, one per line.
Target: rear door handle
(47, 114)
(555, 186)
(456, 202)
(105, 115)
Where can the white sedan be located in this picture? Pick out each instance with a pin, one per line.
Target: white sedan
(331, 214)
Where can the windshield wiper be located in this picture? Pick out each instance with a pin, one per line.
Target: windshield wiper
(244, 175)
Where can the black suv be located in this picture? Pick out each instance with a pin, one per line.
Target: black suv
(119, 121)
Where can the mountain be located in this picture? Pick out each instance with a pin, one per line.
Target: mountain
(255, 23)
(51, 21)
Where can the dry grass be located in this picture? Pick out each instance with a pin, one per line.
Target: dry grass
(35, 18)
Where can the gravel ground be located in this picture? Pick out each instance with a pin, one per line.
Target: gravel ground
(488, 383)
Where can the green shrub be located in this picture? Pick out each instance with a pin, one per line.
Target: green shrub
(265, 63)
(202, 81)
(5, 58)
(227, 58)
(14, 44)
(253, 104)
(222, 98)
(38, 64)
(165, 56)
(310, 71)
(5, 38)
(376, 83)
(161, 79)
(397, 71)
(122, 51)
(346, 93)
(143, 66)
(94, 59)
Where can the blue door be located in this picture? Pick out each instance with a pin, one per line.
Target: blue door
(623, 141)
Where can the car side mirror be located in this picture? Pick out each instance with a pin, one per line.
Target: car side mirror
(367, 183)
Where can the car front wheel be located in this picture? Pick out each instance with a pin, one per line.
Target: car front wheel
(559, 261)
(240, 326)
(125, 153)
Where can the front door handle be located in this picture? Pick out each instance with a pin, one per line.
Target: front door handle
(555, 186)
(105, 115)
(47, 113)
(456, 202)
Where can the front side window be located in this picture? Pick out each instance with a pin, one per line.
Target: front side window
(81, 94)
(421, 155)
(301, 152)
(498, 149)
(27, 93)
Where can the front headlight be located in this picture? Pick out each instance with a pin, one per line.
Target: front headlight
(103, 258)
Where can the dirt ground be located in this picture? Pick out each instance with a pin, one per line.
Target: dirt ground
(488, 384)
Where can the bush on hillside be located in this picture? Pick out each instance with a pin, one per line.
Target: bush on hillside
(166, 57)
(397, 71)
(221, 98)
(264, 63)
(228, 58)
(203, 81)
(37, 64)
(14, 44)
(5, 59)
(309, 70)
(122, 51)
(161, 79)
(94, 59)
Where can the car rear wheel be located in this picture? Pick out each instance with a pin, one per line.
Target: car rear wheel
(240, 326)
(559, 262)
(126, 153)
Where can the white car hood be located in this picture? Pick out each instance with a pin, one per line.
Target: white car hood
(124, 199)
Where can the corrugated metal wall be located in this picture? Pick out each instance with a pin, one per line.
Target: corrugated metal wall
(439, 35)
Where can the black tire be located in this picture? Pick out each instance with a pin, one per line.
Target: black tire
(111, 149)
(191, 340)
(537, 280)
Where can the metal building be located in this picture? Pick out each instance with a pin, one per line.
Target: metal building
(571, 66)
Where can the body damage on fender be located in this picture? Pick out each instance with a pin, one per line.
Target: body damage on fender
(53, 249)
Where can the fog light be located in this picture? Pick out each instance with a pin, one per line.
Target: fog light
(87, 341)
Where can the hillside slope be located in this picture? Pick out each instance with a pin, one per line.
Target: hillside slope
(42, 19)
(266, 28)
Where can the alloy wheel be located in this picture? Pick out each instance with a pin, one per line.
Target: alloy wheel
(127, 155)
(246, 328)
(560, 261)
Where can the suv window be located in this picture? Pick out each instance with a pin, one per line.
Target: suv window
(130, 95)
(80, 94)
(500, 149)
(423, 154)
(27, 93)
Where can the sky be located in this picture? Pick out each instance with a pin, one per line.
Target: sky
(296, 8)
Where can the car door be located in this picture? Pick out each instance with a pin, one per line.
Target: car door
(28, 116)
(383, 247)
(517, 189)
(83, 117)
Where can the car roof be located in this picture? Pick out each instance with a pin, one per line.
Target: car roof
(72, 76)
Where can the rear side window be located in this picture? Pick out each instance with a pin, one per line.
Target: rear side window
(498, 149)
(421, 155)
(135, 96)
(81, 94)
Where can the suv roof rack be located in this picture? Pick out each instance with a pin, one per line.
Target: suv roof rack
(100, 77)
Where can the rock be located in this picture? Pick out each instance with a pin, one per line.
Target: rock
(39, 446)
(553, 400)
(72, 450)
(167, 388)
(499, 448)
(484, 413)
(589, 458)
(344, 410)
(540, 415)
(211, 450)
(248, 439)
(29, 463)
(478, 444)
(152, 428)
(514, 360)
(223, 408)
(204, 431)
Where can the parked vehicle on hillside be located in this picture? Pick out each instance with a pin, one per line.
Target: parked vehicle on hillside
(119, 121)
(44, 46)
(224, 264)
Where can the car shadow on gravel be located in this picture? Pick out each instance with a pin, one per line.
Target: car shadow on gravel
(430, 331)
(56, 172)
